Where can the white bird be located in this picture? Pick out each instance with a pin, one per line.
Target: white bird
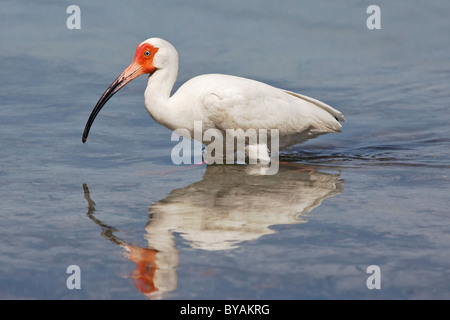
(220, 101)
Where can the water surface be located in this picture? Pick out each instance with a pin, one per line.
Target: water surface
(139, 227)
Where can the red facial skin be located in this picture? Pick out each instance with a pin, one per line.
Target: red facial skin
(145, 61)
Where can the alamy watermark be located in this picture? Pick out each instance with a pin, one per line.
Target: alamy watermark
(231, 146)
(374, 280)
(74, 280)
(374, 20)
(74, 20)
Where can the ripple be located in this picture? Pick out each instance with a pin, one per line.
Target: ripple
(378, 155)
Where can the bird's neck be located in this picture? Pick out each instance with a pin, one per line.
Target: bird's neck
(157, 96)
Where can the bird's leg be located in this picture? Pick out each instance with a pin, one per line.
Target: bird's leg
(257, 152)
(260, 163)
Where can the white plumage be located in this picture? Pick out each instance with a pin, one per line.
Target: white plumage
(220, 101)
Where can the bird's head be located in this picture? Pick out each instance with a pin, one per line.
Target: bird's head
(151, 55)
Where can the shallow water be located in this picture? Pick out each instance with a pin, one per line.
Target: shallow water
(139, 227)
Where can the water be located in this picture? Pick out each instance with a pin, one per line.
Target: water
(139, 227)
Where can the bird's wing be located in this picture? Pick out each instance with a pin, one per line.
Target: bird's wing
(247, 104)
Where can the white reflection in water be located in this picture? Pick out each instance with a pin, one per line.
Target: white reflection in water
(227, 207)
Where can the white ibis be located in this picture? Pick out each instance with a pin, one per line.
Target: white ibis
(220, 101)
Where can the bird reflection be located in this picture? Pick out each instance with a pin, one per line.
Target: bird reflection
(227, 207)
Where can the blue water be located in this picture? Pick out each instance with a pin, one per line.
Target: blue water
(140, 227)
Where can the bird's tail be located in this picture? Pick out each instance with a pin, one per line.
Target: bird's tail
(336, 113)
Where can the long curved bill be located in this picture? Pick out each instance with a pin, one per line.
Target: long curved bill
(133, 71)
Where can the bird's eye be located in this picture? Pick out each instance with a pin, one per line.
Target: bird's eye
(147, 53)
